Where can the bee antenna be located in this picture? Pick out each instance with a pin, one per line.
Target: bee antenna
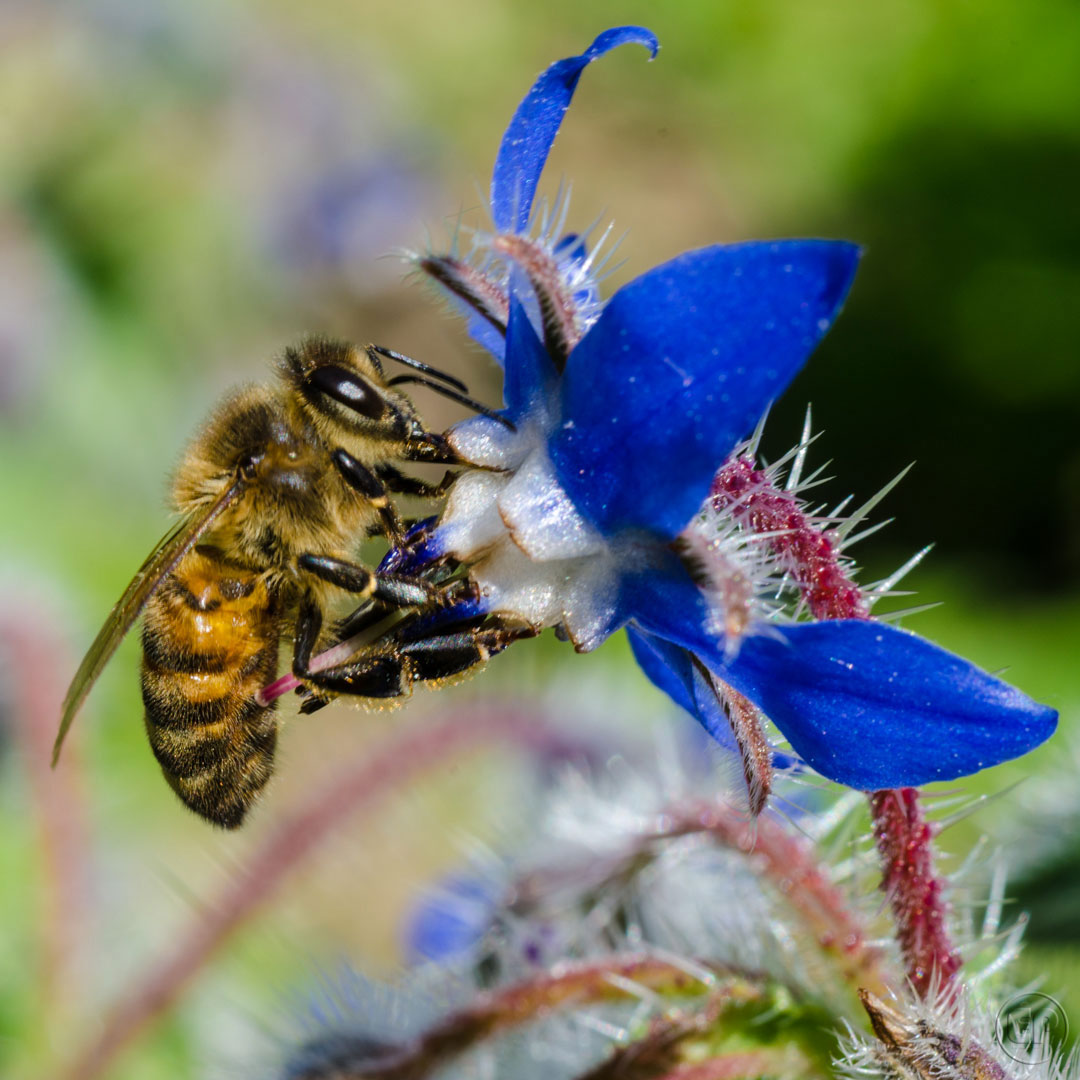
(401, 358)
(453, 395)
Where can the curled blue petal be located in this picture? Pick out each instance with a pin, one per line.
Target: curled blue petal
(525, 145)
(862, 702)
(680, 366)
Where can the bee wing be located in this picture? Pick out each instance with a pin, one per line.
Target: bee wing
(165, 557)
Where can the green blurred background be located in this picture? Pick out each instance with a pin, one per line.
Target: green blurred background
(185, 187)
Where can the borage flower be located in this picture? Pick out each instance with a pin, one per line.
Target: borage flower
(583, 511)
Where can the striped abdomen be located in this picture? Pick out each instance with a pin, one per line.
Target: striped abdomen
(210, 643)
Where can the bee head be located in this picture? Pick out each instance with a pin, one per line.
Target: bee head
(342, 391)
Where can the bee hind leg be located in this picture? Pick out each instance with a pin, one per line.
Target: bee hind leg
(370, 677)
(395, 664)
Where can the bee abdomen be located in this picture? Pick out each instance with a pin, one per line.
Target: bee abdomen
(208, 648)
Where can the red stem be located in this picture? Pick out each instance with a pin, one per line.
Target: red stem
(494, 1012)
(904, 838)
(905, 842)
(589, 981)
(810, 554)
(791, 864)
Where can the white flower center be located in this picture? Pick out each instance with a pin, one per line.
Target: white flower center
(533, 554)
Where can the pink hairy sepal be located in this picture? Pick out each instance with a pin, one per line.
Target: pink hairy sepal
(809, 554)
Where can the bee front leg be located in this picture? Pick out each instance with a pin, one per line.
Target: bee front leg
(430, 447)
(371, 487)
(402, 484)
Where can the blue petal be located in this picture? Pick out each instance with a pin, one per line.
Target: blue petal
(672, 669)
(527, 142)
(873, 706)
(451, 919)
(415, 552)
(481, 331)
(862, 702)
(680, 366)
(530, 373)
(668, 667)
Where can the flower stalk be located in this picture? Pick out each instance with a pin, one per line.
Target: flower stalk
(905, 842)
(812, 556)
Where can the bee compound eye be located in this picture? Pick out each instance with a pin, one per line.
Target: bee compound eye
(349, 389)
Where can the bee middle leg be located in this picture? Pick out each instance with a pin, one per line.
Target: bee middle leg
(375, 486)
(391, 589)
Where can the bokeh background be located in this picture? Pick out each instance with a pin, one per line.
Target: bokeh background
(187, 186)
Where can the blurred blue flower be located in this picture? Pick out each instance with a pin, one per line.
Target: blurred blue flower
(620, 414)
(450, 919)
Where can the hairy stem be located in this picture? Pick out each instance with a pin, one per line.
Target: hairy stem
(790, 863)
(812, 556)
(362, 785)
(558, 309)
(904, 840)
(483, 294)
(614, 978)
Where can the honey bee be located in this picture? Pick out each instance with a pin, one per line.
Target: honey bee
(274, 491)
